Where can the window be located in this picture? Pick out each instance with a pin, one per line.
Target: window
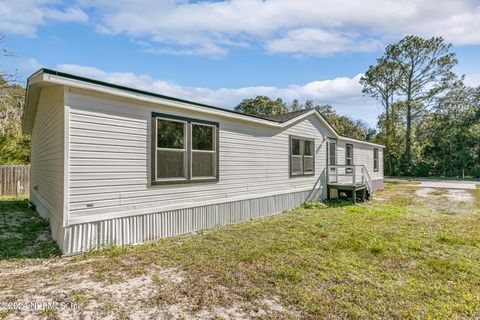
(171, 150)
(332, 152)
(203, 151)
(349, 157)
(332, 159)
(185, 150)
(302, 156)
(375, 159)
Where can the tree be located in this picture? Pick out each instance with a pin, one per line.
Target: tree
(14, 145)
(262, 106)
(308, 104)
(296, 106)
(424, 68)
(381, 81)
(346, 126)
(392, 135)
(452, 134)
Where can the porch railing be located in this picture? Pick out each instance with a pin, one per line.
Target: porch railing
(355, 175)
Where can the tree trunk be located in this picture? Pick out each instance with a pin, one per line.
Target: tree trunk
(408, 138)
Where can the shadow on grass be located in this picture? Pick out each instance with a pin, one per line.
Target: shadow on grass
(392, 181)
(338, 202)
(23, 233)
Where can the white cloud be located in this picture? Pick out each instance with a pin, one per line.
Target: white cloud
(300, 27)
(308, 41)
(472, 79)
(25, 16)
(343, 93)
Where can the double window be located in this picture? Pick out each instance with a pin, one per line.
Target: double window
(375, 159)
(302, 159)
(185, 150)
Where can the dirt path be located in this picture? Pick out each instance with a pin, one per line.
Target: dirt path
(456, 191)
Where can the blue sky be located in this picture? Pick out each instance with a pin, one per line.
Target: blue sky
(220, 52)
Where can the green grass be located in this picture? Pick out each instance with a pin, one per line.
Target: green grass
(477, 195)
(394, 258)
(23, 234)
(394, 181)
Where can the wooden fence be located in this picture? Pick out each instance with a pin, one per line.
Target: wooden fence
(14, 180)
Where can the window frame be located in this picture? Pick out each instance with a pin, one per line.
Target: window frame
(302, 155)
(376, 160)
(335, 142)
(189, 152)
(347, 145)
(214, 151)
(184, 150)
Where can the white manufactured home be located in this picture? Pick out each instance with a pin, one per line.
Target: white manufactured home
(116, 165)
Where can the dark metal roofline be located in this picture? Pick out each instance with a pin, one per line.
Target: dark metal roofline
(284, 117)
(148, 93)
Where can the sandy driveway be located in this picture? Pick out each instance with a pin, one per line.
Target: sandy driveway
(458, 191)
(449, 184)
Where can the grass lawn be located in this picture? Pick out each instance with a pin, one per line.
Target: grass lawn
(23, 234)
(397, 256)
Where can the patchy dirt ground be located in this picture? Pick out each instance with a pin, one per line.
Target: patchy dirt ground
(456, 192)
(455, 195)
(155, 293)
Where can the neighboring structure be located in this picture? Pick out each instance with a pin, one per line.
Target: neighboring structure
(112, 164)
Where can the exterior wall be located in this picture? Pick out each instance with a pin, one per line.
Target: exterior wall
(362, 155)
(140, 228)
(109, 161)
(47, 159)
(108, 194)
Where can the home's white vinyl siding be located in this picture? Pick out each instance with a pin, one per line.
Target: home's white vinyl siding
(47, 158)
(109, 160)
(362, 155)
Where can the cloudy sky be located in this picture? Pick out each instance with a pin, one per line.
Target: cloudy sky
(219, 52)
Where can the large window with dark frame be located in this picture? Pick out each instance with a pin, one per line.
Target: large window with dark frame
(185, 150)
(375, 159)
(302, 156)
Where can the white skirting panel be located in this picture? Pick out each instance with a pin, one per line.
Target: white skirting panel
(141, 228)
(377, 184)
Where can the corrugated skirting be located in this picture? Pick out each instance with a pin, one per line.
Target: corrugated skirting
(141, 228)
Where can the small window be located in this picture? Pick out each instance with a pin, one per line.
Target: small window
(375, 159)
(332, 152)
(302, 159)
(349, 157)
(184, 150)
